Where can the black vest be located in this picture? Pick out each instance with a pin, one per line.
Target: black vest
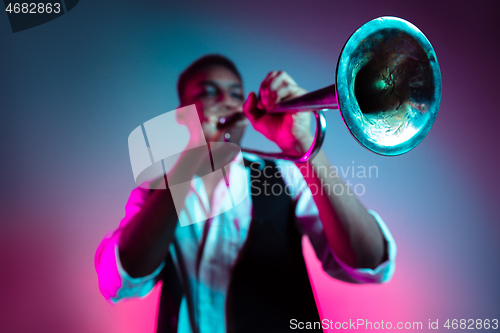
(269, 284)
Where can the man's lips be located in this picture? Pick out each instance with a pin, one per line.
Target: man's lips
(231, 120)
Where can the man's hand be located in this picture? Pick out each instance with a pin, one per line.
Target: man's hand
(291, 132)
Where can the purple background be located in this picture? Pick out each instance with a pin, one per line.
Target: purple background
(73, 89)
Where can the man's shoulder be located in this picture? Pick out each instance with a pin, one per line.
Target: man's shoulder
(146, 187)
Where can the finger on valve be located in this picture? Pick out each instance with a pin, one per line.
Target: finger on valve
(251, 109)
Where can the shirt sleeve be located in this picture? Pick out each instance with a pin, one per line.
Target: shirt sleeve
(114, 282)
(309, 223)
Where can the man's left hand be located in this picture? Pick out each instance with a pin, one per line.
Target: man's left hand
(291, 132)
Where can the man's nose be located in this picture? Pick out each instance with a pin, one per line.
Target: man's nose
(229, 102)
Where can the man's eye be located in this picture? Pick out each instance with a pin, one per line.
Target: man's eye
(208, 92)
(238, 96)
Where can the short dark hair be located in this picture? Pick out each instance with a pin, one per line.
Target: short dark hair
(202, 63)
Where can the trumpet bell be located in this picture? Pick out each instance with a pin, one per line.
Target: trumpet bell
(388, 85)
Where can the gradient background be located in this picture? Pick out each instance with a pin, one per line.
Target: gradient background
(73, 89)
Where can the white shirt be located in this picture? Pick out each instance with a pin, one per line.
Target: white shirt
(226, 235)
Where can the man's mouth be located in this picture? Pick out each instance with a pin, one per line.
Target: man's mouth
(230, 120)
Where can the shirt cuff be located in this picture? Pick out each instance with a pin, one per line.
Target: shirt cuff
(134, 287)
(383, 272)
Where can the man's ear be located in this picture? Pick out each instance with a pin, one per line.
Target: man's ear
(179, 115)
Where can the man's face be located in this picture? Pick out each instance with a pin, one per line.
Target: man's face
(217, 92)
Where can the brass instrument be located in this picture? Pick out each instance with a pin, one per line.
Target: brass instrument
(387, 88)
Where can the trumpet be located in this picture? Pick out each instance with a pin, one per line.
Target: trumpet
(387, 89)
